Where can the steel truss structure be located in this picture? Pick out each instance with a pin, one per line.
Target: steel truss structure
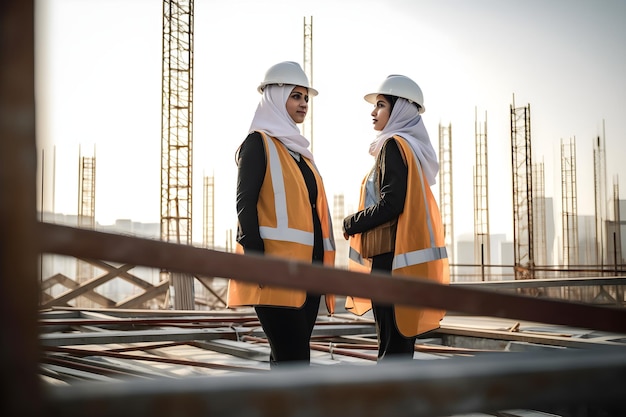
(521, 151)
(177, 139)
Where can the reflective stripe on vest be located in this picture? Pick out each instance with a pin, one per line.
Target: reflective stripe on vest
(403, 260)
(282, 231)
(355, 256)
(419, 257)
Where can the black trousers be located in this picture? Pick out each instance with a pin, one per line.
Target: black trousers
(391, 343)
(289, 330)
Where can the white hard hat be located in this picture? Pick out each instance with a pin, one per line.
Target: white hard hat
(287, 72)
(399, 86)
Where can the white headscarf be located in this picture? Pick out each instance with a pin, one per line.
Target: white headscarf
(272, 118)
(406, 121)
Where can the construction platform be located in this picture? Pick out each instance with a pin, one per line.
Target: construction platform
(95, 350)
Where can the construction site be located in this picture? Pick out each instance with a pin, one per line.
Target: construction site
(132, 320)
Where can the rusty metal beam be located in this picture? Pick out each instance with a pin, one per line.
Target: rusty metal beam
(137, 336)
(151, 321)
(86, 287)
(545, 339)
(60, 279)
(70, 241)
(147, 358)
(123, 274)
(147, 295)
(545, 283)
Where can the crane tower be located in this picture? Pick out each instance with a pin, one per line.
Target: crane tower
(177, 138)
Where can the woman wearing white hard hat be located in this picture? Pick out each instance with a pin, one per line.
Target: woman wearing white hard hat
(398, 227)
(282, 211)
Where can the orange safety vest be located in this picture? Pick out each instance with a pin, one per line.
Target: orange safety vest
(420, 250)
(285, 227)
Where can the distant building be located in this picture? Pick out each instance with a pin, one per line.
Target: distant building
(508, 258)
(587, 240)
(501, 259)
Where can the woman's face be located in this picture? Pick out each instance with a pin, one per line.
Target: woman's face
(381, 113)
(298, 104)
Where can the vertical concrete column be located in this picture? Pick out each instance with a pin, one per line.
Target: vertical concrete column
(19, 345)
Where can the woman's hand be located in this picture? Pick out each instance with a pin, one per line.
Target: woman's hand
(346, 236)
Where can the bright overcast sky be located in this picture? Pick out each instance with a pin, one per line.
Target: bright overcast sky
(99, 88)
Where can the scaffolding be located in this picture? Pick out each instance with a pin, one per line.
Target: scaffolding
(208, 212)
(209, 291)
(614, 243)
(307, 125)
(341, 245)
(482, 240)
(539, 211)
(229, 245)
(87, 191)
(569, 203)
(445, 187)
(86, 212)
(522, 192)
(599, 188)
(176, 139)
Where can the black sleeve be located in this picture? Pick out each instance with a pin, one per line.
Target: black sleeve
(393, 183)
(251, 162)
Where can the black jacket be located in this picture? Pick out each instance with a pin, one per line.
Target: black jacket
(393, 183)
(251, 161)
